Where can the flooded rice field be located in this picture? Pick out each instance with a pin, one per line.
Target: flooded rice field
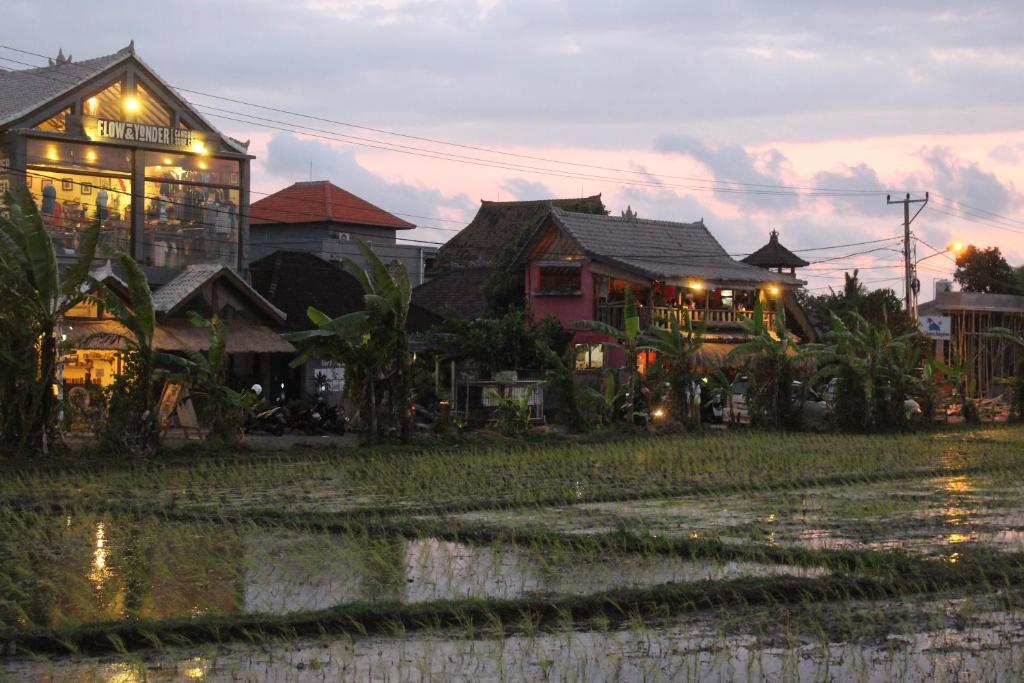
(87, 569)
(690, 558)
(933, 516)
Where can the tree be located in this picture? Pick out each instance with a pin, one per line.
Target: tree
(220, 406)
(677, 358)
(874, 369)
(34, 297)
(131, 425)
(371, 344)
(627, 339)
(770, 359)
(512, 341)
(985, 270)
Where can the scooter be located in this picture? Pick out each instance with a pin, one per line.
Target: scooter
(271, 419)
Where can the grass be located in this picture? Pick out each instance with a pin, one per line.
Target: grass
(514, 541)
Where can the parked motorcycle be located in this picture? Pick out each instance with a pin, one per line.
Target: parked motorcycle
(270, 418)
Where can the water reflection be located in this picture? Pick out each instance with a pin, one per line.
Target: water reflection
(98, 569)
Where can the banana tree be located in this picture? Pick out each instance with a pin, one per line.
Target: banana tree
(627, 339)
(131, 425)
(1015, 339)
(770, 360)
(372, 344)
(678, 359)
(35, 296)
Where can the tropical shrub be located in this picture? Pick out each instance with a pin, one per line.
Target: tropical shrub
(679, 363)
(33, 298)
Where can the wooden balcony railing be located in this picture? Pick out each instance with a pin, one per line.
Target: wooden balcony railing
(661, 316)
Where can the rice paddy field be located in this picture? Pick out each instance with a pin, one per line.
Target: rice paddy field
(718, 557)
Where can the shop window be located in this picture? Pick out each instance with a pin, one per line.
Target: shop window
(589, 356)
(69, 202)
(150, 110)
(727, 298)
(92, 368)
(190, 224)
(560, 279)
(190, 168)
(72, 155)
(105, 104)
(57, 123)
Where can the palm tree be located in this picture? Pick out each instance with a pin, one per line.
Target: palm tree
(627, 339)
(770, 360)
(1015, 339)
(35, 297)
(678, 358)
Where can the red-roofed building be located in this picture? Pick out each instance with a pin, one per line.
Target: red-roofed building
(321, 218)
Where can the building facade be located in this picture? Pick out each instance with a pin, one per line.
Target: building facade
(322, 219)
(579, 266)
(108, 137)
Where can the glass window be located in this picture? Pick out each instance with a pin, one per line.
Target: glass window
(100, 158)
(589, 356)
(69, 201)
(190, 224)
(189, 168)
(150, 110)
(562, 279)
(106, 104)
(57, 122)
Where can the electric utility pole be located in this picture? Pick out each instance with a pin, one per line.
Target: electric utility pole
(911, 285)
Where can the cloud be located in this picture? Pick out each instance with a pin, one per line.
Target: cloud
(521, 188)
(751, 176)
(859, 177)
(966, 182)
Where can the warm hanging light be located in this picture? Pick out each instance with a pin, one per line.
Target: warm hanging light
(90, 156)
(773, 290)
(131, 104)
(93, 105)
(199, 147)
(202, 165)
(696, 285)
(167, 161)
(51, 153)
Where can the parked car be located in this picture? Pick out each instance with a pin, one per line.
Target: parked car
(814, 409)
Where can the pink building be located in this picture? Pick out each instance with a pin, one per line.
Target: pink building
(578, 267)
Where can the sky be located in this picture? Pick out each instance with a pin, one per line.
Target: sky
(797, 116)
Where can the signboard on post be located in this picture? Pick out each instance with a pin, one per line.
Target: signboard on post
(935, 326)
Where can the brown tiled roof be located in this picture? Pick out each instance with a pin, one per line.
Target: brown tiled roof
(774, 255)
(321, 201)
(454, 293)
(293, 281)
(498, 225)
(660, 250)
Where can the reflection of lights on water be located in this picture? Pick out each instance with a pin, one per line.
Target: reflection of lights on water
(958, 538)
(771, 518)
(960, 484)
(100, 572)
(196, 670)
(954, 558)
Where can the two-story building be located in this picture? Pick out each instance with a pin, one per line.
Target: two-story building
(108, 138)
(322, 219)
(578, 267)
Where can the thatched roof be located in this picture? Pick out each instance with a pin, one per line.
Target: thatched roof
(178, 335)
(456, 293)
(774, 255)
(500, 225)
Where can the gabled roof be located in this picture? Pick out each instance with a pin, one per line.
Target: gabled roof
(321, 201)
(454, 293)
(774, 255)
(172, 297)
(498, 225)
(23, 91)
(293, 281)
(659, 250)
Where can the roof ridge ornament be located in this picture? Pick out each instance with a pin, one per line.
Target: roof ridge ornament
(629, 214)
(61, 60)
